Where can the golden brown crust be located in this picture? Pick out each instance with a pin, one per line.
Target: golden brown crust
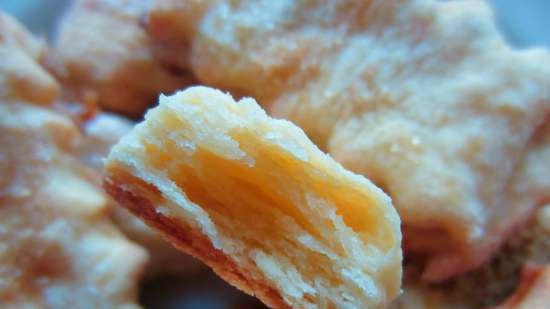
(189, 240)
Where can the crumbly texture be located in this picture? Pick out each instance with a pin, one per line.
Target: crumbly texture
(58, 247)
(254, 199)
(101, 133)
(102, 51)
(21, 75)
(405, 92)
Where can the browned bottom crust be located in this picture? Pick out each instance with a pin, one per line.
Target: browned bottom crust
(192, 242)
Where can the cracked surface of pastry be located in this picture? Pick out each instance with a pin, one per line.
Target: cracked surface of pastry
(101, 49)
(58, 247)
(423, 97)
(257, 201)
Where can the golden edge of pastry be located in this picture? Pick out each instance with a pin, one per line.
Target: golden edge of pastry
(55, 217)
(135, 187)
(188, 239)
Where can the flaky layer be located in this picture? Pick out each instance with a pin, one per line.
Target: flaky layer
(265, 197)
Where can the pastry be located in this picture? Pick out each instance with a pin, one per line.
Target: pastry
(21, 75)
(101, 51)
(59, 248)
(254, 199)
(101, 133)
(423, 97)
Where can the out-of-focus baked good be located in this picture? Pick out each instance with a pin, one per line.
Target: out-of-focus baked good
(254, 199)
(424, 97)
(530, 243)
(58, 247)
(21, 76)
(527, 189)
(101, 50)
(101, 133)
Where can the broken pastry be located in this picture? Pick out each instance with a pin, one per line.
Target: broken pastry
(21, 75)
(102, 132)
(59, 248)
(254, 199)
(424, 97)
(101, 50)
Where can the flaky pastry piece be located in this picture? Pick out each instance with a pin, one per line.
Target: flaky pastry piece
(21, 75)
(100, 134)
(254, 199)
(102, 50)
(58, 247)
(424, 97)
